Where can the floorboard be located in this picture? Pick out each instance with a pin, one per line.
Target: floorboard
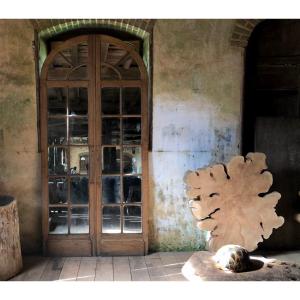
(70, 269)
(33, 268)
(121, 268)
(155, 267)
(53, 269)
(87, 269)
(138, 268)
(104, 269)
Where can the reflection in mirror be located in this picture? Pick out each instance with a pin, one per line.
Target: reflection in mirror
(131, 131)
(78, 101)
(79, 220)
(110, 131)
(132, 189)
(111, 220)
(57, 131)
(132, 163)
(58, 220)
(57, 161)
(67, 63)
(58, 189)
(110, 101)
(111, 160)
(78, 130)
(79, 190)
(79, 160)
(110, 189)
(131, 101)
(57, 101)
(132, 219)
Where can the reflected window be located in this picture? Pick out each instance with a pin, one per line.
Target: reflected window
(111, 160)
(58, 220)
(58, 190)
(132, 219)
(111, 220)
(110, 189)
(132, 189)
(131, 131)
(79, 220)
(79, 190)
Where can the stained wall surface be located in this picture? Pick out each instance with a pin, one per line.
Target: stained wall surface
(197, 91)
(20, 174)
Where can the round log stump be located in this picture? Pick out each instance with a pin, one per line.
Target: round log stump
(10, 248)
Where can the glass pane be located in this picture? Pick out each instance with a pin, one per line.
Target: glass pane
(57, 101)
(79, 160)
(78, 130)
(111, 220)
(58, 220)
(70, 62)
(110, 189)
(79, 190)
(132, 189)
(109, 72)
(57, 129)
(132, 161)
(58, 190)
(79, 220)
(110, 131)
(131, 131)
(79, 73)
(111, 160)
(132, 219)
(57, 161)
(110, 101)
(78, 101)
(117, 62)
(131, 101)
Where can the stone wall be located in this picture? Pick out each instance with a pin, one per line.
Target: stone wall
(20, 174)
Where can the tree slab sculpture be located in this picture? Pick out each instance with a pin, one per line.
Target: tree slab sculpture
(231, 201)
(10, 249)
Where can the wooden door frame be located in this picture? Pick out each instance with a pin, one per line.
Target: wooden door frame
(94, 243)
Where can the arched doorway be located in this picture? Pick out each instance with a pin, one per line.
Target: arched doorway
(94, 102)
(271, 117)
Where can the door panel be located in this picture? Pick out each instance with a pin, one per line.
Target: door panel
(94, 148)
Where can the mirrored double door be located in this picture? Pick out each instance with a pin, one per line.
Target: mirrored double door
(94, 148)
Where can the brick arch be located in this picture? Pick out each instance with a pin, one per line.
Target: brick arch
(242, 31)
(47, 28)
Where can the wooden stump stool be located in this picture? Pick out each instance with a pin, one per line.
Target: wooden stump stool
(10, 248)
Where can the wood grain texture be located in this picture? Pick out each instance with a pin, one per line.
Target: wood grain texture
(138, 268)
(87, 269)
(10, 247)
(70, 269)
(53, 269)
(104, 269)
(231, 201)
(121, 268)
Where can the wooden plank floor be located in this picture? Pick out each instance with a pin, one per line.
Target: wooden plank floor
(161, 266)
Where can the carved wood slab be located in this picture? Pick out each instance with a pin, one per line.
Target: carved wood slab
(231, 201)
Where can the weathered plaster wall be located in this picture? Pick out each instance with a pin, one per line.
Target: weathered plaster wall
(197, 84)
(197, 92)
(19, 158)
